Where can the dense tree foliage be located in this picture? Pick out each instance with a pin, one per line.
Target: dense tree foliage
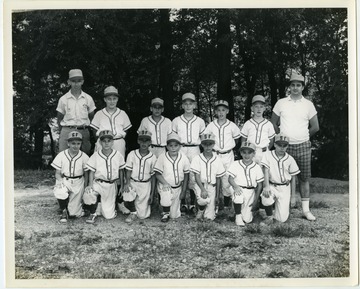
(231, 54)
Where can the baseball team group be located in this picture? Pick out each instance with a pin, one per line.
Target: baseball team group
(188, 166)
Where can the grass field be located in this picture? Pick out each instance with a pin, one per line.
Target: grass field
(182, 248)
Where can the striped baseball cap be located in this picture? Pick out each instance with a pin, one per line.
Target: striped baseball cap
(221, 102)
(247, 145)
(281, 138)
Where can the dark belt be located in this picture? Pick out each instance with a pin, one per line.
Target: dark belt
(177, 186)
(77, 127)
(105, 181)
(283, 184)
(118, 138)
(249, 188)
(210, 185)
(190, 145)
(140, 181)
(76, 177)
(222, 153)
(157, 146)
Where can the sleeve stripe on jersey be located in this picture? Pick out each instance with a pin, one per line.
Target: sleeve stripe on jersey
(126, 128)
(243, 135)
(90, 168)
(272, 136)
(294, 173)
(195, 171)
(186, 171)
(260, 180)
(129, 168)
(158, 170)
(55, 166)
(221, 174)
(237, 136)
(231, 174)
(94, 126)
(265, 165)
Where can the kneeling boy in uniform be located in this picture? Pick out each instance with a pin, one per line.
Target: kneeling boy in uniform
(245, 177)
(139, 188)
(172, 172)
(208, 170)
(70, 177)
(106, 170)
(279, 169)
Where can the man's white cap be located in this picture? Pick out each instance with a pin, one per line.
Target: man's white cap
(297, 77)
(75, 73)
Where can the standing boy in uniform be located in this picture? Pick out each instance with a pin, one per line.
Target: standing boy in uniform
(158, 125)
(258, 130)
(74, 112)
(279, 169)
(226, 135)
(71, 177)
(245, 177)
(172, 172)
(106, 170)
(139, 186)
(298, 120)
(112, 118)
(189, 127)
(208, 170)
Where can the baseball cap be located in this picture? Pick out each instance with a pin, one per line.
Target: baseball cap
(144, 134)
(106, 133)
(173, 137)
(75, 73)
(281, 138)
(247, 145)
(111, 90)
(188, 96)
(158, 101)
(297, 77)
(258, 98)
(221, 102)
(74, 135)
(207, 137)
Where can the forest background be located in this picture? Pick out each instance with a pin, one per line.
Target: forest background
(230, 54)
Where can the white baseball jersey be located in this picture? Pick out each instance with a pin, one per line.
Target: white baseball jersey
(247, 176)
(70, 166)
(173, 171)
(259, 134)
(106, 167)
(118, 122)
(280, 170)
(189, 130)
(225, 135)
(141, 167)
(159, 130)
(209, 170)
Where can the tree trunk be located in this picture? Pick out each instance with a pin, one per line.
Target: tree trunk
(224, 58)
(39, 145)
(52, 144)
(273, 87)
(165, 79)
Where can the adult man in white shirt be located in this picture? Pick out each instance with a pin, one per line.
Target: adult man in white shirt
(296, 117)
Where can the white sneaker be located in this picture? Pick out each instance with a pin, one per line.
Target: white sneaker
(132, 217)
(308, 215)
(199, 215)
(239, 221)
(123, 209)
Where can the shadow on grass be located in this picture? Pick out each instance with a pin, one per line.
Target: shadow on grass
(292, 231)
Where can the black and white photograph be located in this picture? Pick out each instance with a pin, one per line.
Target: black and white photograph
(180, 145)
